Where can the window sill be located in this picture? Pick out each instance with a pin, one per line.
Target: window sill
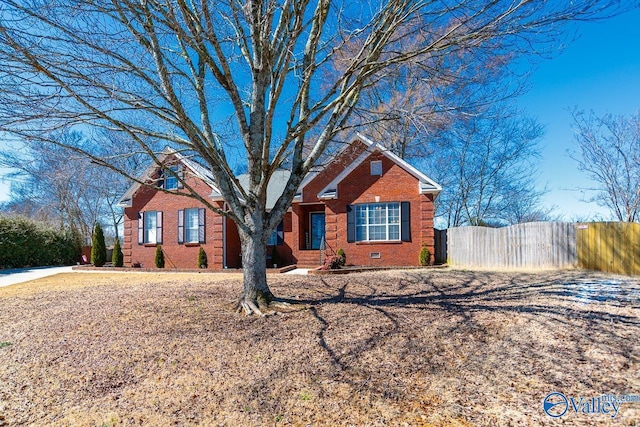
(379, 242)
(191, 244)
(151, 245)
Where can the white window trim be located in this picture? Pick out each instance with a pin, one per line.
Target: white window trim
(386, 224)
(196, 229)
(168, 175)
(375, 167)
(146, 229)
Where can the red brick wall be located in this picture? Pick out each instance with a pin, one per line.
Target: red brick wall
(186, 255)
(176, 255)
(286, 249)
(234, 248)
(311, 190)
(395, 185)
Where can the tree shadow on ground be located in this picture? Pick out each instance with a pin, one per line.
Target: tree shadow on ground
(578, 312)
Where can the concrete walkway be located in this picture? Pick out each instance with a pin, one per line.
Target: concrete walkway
(299, 271)
(20, 275)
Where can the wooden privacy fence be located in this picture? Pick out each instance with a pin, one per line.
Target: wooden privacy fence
(606, 246)
(530, 245)
(609, 246)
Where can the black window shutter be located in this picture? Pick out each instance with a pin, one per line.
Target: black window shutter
(405, 225)
(181, 226)
(351, 224)
(201, 223)
(280, 234)
(140, 228)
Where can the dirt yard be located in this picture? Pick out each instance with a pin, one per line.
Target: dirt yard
(418, 347)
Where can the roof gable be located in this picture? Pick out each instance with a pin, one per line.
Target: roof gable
(280, 178)
(425, 184)
(194, 167)
(275, 187)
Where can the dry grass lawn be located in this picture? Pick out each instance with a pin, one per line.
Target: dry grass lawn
(417, 347)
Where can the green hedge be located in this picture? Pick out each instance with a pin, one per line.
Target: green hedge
(98, 247)
(117, 257)
(27, 243)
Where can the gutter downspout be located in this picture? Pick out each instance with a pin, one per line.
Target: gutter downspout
(224, 237)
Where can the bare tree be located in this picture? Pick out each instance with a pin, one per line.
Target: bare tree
(524, 204)
(609, 152)
(166, 70)
(486, 166)
(56, 185)
(412, 103)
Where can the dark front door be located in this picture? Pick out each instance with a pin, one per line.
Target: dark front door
(317, 229)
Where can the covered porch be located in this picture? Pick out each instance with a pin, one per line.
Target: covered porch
(309, 244)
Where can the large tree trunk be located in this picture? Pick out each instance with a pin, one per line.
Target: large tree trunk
(256, 295)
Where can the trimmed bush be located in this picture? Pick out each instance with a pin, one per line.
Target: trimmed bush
(28, 243)
(159, 257)
(425, 256)
(117, 257)
(343, 257)
(98, 247)
(332, 263)
(202, 259)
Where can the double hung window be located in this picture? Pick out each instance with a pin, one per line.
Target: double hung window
(150, 227)
(377, 221)
(191, 225)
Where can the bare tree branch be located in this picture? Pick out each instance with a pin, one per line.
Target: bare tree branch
(609, 152)
(174, 72)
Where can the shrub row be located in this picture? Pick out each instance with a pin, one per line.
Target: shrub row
(27, 243)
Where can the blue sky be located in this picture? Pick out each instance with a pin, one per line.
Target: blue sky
(599, 71)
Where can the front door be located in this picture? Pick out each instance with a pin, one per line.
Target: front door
(317, 229)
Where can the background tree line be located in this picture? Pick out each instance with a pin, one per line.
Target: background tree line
(55, 185)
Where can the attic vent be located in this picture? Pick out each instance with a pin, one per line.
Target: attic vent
(374, 255)
(376, 168)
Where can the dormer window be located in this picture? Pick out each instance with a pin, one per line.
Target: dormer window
(168, 180)
(376, 168)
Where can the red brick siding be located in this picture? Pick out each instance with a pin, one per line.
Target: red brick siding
(395, 185)
(185, 256)
(311, 190)
(294, 239)
(176, 255)
(234, 248)
(286, 249)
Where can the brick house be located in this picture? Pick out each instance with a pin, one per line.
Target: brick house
(364, 199)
